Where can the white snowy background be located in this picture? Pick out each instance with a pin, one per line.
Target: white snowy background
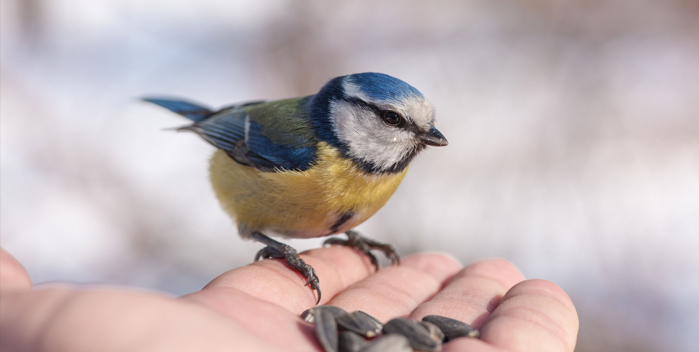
(573, 130)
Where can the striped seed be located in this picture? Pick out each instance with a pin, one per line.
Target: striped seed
(389, 343)
(360, 322)
(351, 342)
(417, 334)
(452, 328)
(326, 329)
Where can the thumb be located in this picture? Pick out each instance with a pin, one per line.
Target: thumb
(12, 273)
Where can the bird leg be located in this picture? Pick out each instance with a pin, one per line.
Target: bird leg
(280, 250)
(365, 245)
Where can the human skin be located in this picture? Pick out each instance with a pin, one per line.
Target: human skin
(256, 307)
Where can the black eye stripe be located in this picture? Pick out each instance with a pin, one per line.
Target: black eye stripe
(379, 113)
(362, 103)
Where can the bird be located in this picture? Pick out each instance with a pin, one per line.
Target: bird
(316, 165)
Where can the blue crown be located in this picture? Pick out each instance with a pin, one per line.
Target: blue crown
(381, 87)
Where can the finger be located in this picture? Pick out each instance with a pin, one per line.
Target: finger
(63, 319)
(473, 293)
(275, 282)
(269, 293)
(397, 290)
(12, 274)
(535, 315)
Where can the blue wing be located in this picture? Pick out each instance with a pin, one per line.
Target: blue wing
(189, 110)
(257, 136)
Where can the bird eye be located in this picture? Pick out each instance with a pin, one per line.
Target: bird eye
(391, 117)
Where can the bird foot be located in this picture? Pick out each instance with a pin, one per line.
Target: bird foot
(365, 245)
(278, 250)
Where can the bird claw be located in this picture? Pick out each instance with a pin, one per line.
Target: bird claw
(365, 245)
(267, 253)
(279, 250)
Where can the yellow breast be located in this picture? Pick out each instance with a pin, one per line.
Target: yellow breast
(333, 196)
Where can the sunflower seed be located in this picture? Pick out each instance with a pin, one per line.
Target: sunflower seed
(376, 322)
(326, 329)
(389, 343)
(351, 342)
(308, 314)
(360, 322)
(434, 330)
(452, 328)
(417, 334)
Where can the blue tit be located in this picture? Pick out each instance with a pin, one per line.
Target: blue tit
(316, 165)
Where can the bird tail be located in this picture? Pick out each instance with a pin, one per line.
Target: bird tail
(189, 110)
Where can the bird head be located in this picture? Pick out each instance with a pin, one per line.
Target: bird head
(377, 120)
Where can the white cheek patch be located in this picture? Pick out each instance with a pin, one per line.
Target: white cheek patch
(368, 138)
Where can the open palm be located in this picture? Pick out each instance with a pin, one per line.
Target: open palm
(256, 307)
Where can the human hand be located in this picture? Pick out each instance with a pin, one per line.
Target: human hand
(256, 307)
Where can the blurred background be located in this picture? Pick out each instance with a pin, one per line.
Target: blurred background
(573, 130)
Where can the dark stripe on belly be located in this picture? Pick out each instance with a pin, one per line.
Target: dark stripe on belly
(341, 221)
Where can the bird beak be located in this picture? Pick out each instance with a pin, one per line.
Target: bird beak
(433, 137)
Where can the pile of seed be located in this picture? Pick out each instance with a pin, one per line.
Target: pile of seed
(340, 331)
